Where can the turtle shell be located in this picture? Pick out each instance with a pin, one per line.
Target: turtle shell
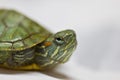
(18, 32)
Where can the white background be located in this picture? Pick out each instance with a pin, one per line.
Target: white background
(97, 25)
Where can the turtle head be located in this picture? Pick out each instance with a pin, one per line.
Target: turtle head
(63, 44)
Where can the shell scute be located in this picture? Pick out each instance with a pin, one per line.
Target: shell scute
(18, 32)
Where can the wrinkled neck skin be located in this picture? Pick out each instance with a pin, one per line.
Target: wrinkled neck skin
(44, 53)
(47, 48)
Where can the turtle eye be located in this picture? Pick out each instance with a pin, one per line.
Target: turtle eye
(59, 40)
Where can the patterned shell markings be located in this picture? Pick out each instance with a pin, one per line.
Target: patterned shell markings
(18, 32)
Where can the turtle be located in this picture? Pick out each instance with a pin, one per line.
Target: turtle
(27, 45)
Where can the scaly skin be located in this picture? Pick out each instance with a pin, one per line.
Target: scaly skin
(25, 45)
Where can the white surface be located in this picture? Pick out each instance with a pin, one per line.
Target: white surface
(97, 24)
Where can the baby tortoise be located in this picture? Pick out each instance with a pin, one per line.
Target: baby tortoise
(26, 45)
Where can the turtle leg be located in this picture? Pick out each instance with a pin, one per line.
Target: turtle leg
(3, 56)
(21, 58)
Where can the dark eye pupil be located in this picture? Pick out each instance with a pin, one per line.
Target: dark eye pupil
(58, 39)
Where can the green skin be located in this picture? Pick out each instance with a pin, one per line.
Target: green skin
(22, 42)
(62, 47)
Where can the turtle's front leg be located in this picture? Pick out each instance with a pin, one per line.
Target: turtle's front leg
(3, 56)
(21, 58)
